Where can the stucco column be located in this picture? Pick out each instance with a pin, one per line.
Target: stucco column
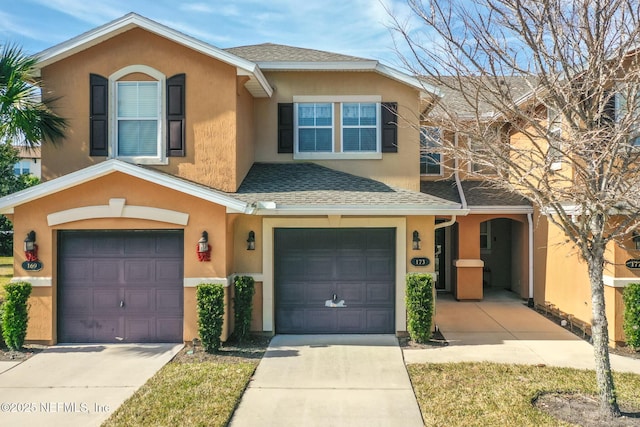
(468, 265)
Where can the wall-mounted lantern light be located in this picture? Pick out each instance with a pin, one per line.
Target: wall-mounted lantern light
(30, 247)
(416, 240)
(251, 241)
(203, 249)
(636, 240)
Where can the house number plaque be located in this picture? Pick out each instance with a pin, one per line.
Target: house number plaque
(32, 266)
(423, 261)
(633, 264)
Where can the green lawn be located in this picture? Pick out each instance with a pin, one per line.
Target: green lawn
(489, 394)
(6, 272)
(187, 394)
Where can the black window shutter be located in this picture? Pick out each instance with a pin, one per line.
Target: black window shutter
(389, 127)
(285, 128)
(609, 110)
(98, 115)
(175, 116)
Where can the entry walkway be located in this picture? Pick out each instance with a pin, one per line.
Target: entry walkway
(502, 329)
(330, 380)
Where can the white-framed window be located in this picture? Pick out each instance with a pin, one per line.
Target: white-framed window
(485, 235)
(137, 115)
(430, 158)
(23, 167)
(622, 102)
(337, 127)
(478, 167)
(360, 128)
(314, 123)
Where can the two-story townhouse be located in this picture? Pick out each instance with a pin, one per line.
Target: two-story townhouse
(186, 164)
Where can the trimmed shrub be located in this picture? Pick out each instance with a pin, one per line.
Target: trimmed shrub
(420, 306)
(210, 299)
(15, 316)
(243, 305)
(631, 325)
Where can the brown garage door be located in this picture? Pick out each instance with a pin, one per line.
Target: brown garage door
(120, 286)
(335, 280)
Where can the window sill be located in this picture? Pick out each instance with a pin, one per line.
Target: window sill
(337, 156)
(145, 160)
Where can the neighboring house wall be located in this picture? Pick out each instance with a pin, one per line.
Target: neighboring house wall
(30, 161)
(211, 106)
(399, 169)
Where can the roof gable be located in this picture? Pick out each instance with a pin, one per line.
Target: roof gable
(257, 85)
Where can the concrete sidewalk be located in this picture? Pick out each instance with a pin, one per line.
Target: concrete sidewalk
(503, 329)
(330, 380)
(77, 385)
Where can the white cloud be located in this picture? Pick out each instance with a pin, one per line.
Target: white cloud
(92, 12)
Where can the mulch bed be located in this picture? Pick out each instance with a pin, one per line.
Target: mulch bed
(232, 351)
(583, 410)
(27, 351)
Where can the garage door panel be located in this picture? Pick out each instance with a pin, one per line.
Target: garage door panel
(319, 267)
(320, 320)
(77, 270)
(167, 328)
(318, 293)
(169, 271)
(105, 270)
(378, 293)
(291, 319)
(292, 293)
(92, 284)
(139, 270)
(167, 299)
(139, 246)
(320, 239)
(140, 300)
(351, 267)
(352, 293)
(378, 319)
(351, 320)
(105, 299)
(382, 241)
(380, 268)
(351, 239)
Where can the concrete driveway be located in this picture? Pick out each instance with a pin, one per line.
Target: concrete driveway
(502, 329)
(77, 385)
(330, 380)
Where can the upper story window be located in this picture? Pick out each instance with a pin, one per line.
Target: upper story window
(137, 115)
(430, 142)
(336, 127)
(360, 127)
(139, 120)
(315, 127)
(623, 98)
(554, 123)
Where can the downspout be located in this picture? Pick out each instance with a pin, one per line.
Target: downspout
(530, 221)
(463, 199)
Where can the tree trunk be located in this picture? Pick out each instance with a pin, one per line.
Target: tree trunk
(600, 330)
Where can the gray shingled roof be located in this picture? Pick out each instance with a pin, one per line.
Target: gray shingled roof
(477, 193)
(270, 52)
(453, 99)
(308, 184)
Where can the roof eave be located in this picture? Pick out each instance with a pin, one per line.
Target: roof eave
(503, 209)
(391, 210)
(90, 173)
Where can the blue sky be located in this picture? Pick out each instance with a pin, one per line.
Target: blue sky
(352, 27)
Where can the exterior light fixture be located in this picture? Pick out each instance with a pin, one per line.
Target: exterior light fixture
(203, 249)
(416, 240)
(636, 240)
(251, 241)
(30, 247)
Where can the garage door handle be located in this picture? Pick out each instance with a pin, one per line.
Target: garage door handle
(121, 304)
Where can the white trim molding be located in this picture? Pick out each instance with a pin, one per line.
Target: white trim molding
(36, 282)
(117, 209)
(619, 282)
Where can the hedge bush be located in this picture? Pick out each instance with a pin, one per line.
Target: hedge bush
(420, 306)
(15, 316)
(631, 325)
(243, 305)
(210, 299)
